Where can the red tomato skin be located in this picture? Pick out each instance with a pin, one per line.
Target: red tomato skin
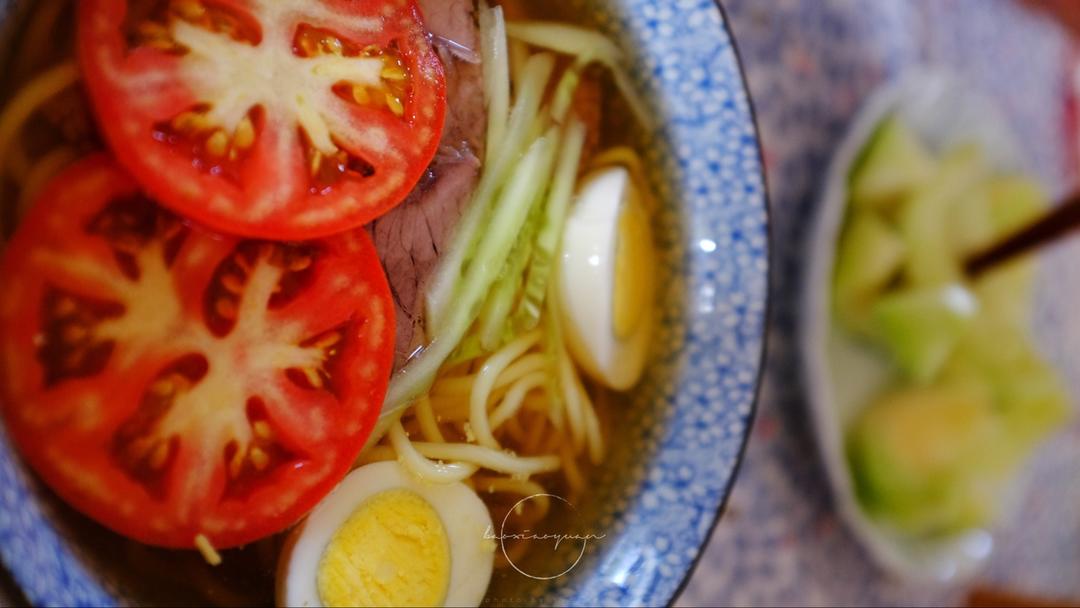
(127, 104)
(64, 432)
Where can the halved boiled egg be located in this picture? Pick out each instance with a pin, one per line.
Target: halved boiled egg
(385, 538)
(606, 279)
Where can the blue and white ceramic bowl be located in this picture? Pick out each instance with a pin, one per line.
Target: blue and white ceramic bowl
(676, 451)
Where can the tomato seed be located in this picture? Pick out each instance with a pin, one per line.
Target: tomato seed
(74, 333)
(151, 30)
(313, 377)
(262, 429)
(259, 458)
(160, 456)
(163, 387)
(232, 284)
(64, 307)
(226, 308)
(236, 465)
(360, 95)
(218, 144)
(393, 72)
(244, 136)
(190, 10)
(395, 105)
(190, 122)
(327, 341)
(316, 162)
(299, 264)
(332, 45)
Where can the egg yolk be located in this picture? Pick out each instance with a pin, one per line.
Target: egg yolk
(392, 551)
(634, 269)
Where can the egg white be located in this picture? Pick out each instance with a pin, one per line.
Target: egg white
(586, 288)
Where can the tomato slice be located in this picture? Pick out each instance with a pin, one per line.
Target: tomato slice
(170, 382)
(278, 119)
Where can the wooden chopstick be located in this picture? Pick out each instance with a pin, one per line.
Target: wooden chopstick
(1056, 224)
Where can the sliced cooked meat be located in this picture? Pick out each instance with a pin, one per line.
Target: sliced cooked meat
(454, 21)
(466, 115)
(410, 239)
(412, 236)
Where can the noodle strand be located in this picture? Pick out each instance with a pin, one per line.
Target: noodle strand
(423, 468)
(571, 400)
(485, 382)
(495, 460)
(429, 426)
(516, 397)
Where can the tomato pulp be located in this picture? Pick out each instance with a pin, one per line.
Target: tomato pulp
(277, 119)
(171, 382)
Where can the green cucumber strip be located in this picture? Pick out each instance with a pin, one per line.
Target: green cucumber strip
(493, 320)
(496, 63)
(511, 211)
(439, 299)
(581, 42)
(549, 240)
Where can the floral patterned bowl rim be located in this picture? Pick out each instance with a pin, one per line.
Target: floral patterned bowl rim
(686, 433)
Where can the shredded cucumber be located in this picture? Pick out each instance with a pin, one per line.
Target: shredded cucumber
(508, 216)
(494, 327)
(583, 43)
(564, 91)
(468, 350)
(439, 299)
(495, 54)
(549, 239)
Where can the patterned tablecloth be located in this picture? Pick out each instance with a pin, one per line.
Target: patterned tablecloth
(809, 65)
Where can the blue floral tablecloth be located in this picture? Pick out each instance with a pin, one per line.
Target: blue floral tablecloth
(809, 65)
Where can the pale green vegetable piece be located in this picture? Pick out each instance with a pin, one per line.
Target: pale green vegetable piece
(1028, 394)
(928, 460)
(548, 241)
(971, 225)
(496, 63)
(923, 217)
(1009, 203)
(498, 170)
(1015, 201)
(892, 165)
(871, 254)
(590, 46)
(921, 327)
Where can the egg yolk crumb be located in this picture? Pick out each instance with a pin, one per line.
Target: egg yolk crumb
(392, 551)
